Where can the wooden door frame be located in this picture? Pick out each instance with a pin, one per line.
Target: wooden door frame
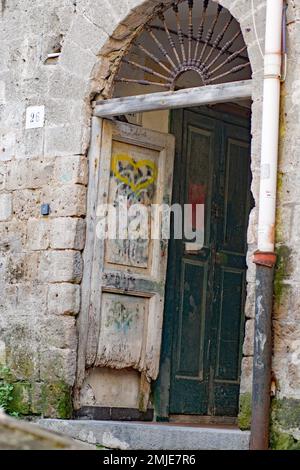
(198, 96)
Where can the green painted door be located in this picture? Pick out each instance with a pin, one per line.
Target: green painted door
(206, 289)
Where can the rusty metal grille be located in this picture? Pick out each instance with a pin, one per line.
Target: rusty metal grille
(178, 40)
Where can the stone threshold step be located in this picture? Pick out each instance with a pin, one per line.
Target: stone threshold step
(137, 436)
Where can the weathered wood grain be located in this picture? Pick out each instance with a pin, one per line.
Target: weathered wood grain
(200, 96)
(122, 308)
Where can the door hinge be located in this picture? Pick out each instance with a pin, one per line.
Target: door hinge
(215, 210)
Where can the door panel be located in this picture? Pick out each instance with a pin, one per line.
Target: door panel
(191, 322)
(190, 373)
(230, 267)
(198, 171)
(236, 197)
(213, 168)
(189, 382)
(125, 312)
(227, 366)
(133, 176)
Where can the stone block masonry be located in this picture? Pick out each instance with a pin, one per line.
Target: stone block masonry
(5, 206)
(41, 257)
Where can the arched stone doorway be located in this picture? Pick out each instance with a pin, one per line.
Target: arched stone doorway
(109, 373)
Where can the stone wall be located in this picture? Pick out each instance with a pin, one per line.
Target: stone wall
(286, 324)
(40, 257)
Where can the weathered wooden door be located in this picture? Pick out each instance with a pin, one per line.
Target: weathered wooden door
(124, 282)
(205, 297)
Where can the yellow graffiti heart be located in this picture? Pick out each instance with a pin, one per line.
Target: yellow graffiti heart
(119, 158)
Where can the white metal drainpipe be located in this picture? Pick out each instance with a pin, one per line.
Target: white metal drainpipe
(265, 257)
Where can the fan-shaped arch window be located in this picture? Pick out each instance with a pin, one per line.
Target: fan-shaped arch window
(190, 43)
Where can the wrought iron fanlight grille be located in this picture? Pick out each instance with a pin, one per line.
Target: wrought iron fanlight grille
(210, 45)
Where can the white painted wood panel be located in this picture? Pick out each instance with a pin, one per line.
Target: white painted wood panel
(123, 289)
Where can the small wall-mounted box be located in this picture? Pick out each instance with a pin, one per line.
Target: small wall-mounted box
(45, 209)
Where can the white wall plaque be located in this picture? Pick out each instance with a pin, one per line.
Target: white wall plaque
(35, 117)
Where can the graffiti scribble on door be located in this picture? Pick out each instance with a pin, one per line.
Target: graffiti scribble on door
(136, 179)
(133, 178)
(120, 316)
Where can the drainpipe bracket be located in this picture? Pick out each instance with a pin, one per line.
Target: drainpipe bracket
(263, 258)
(273, 65)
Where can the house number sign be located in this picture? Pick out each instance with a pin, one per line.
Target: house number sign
(35, 117)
